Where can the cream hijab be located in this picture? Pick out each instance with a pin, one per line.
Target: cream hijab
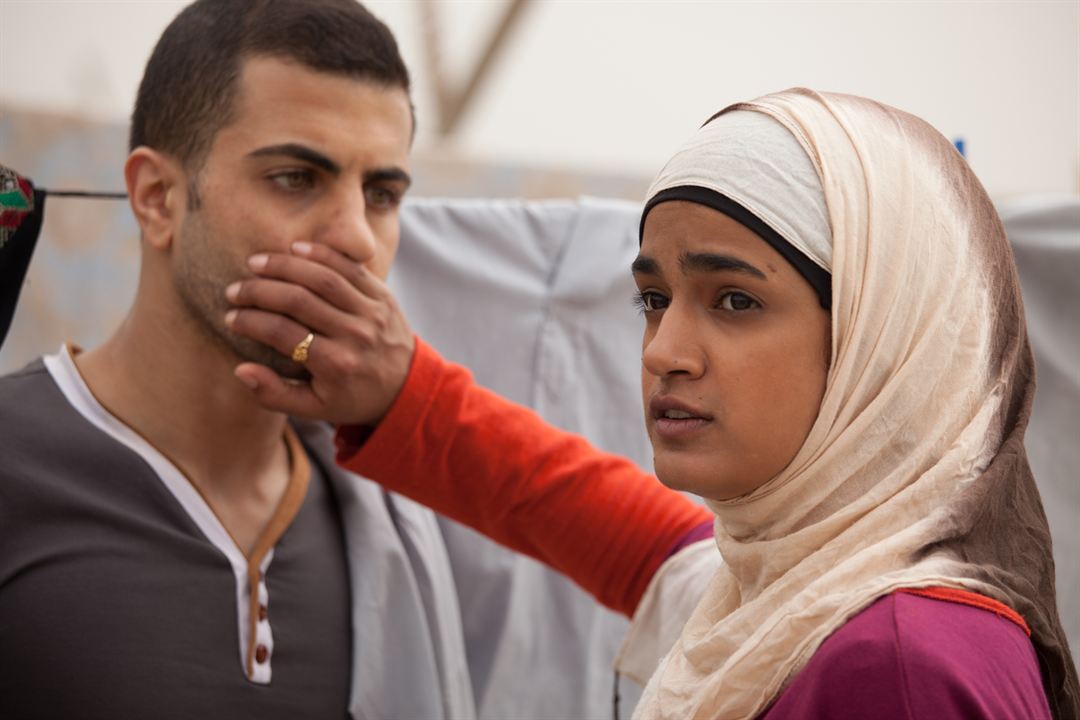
(914, 473)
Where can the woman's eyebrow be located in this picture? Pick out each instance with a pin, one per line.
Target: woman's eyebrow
(713, 262)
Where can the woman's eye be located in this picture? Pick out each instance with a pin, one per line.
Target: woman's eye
(738, 301)
(649, 301)
(294, 180)
(381, 198)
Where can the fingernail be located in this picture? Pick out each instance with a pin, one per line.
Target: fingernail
(251, 382)
(257, 262)
(232, 291)
(301, 248)
(230, 318)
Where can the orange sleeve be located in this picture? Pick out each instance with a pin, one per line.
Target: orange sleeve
(499, 468)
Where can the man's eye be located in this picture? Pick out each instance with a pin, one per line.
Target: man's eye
(294, 180)
(381, 198)
(649, 301)
(738, 301)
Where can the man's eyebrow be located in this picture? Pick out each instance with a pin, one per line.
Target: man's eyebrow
(389, 174)
(644, 265)
(300, 152)
(316, 158)
(713, 262)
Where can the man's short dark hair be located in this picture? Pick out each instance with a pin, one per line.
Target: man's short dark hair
(187, 91)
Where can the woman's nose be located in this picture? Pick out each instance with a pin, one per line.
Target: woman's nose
(673, 347)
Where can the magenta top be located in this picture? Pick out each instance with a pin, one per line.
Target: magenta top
(908, 657)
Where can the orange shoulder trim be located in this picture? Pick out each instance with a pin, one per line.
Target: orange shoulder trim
(973, 599)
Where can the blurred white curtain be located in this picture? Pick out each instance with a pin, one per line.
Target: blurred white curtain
(1045, 235)
(533, 297)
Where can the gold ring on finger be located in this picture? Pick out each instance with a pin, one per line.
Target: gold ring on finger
(300, 352)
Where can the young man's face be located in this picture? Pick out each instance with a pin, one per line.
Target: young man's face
(306, 157)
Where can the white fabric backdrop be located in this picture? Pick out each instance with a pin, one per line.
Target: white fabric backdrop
(1045, 234)
(535, 299)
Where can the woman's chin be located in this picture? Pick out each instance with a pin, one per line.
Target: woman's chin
(694, 475)
(710, 476)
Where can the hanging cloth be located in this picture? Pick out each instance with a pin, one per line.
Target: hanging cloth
(22, 209)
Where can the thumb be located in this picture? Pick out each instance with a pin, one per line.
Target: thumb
(277, 394)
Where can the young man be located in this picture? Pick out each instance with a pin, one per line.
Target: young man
(168, 548)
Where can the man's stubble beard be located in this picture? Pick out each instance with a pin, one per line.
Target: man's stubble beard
(203, 271)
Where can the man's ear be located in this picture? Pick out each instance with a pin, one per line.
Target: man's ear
(157, 191)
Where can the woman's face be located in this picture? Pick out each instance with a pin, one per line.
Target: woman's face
(735, 353)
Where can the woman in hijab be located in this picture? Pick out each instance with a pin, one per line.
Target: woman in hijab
(835, 358)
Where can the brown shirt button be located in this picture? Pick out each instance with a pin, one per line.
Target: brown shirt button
(262, 612)
(260, 654)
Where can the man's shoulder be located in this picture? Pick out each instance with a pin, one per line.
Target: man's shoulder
(30, 369)
(21, 390)
(37, 428)
(33, 409)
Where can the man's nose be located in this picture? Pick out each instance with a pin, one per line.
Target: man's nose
(674, 347)
(347, 229)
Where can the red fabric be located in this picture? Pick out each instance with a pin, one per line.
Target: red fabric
(500, 469)
(966, 597)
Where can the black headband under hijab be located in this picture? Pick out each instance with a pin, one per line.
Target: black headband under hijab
(819, 278)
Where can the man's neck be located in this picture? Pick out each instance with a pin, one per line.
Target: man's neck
(166, 379)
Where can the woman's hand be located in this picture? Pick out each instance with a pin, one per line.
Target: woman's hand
(361, 348)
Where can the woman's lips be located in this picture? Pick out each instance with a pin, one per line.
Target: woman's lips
(674, 419)
(678, 428)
